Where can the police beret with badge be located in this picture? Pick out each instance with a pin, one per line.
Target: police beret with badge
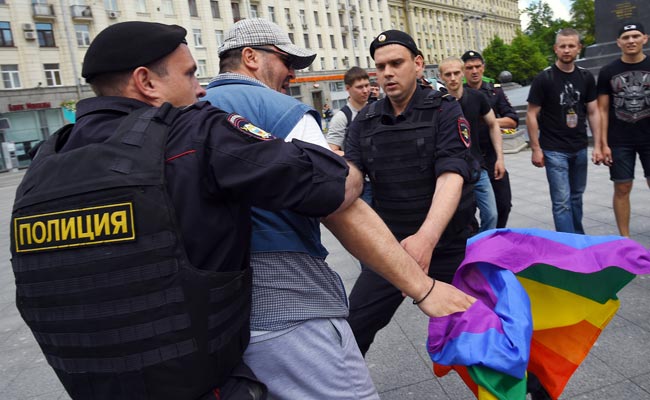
(471, 55)
(394, 37)
(252, 32)
(128, 45)
(631, 26)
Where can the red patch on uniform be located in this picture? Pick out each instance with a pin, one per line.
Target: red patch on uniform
(463, 131)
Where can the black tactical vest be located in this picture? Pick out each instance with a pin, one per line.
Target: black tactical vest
(103, 280)
(400, 161)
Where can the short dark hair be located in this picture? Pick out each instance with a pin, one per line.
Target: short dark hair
(113, 83)
(567, 32)
(354, 74)
(230, 60)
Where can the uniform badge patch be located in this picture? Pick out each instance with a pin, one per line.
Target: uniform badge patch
(246, 127)
(463, 131)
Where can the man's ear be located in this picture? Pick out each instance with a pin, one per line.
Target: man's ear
(144, 82)
(250, 58)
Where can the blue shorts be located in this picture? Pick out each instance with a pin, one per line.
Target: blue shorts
(624, 157)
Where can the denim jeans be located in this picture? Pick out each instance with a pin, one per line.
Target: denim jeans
(486, 202)
(567, 179)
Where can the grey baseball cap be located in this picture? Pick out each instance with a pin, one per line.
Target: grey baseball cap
(261, 32)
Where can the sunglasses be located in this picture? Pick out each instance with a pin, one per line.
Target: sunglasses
(286, 59)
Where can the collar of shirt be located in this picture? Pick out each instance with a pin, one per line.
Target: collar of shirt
(387, 114)
(113, 103)
(229, 76)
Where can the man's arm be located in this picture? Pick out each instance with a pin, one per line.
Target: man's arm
(497, 143)
(594, 123)
(336, 131)
(603, 107)
(446, 196)
(508, 118)
(533, 134)
(364, 234)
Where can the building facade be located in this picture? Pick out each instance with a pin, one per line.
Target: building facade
(43, 43)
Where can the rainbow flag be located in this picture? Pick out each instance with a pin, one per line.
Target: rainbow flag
(544, 297)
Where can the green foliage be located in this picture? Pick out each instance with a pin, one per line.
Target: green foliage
(543, 28)
(583, 19)
(522, 58)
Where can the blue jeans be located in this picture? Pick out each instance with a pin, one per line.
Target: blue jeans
(486, 202)
(567, 180)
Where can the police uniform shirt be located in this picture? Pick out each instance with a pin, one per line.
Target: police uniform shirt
(212, 195)
(451, 142)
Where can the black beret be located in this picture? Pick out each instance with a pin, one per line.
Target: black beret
(471, 55)
(394, 37)
(128, 45)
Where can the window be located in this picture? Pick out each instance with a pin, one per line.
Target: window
(141, 6)
(329, 19)
(219, 35)
(301, 15)
(45, 35)
(52, 74)
(305, 37)
(214, 6)
(337, 86)
(272, 13)
(168, 7)
(6, 39)
(372, 23)
(335, 62)
(83, 36)
(322, 63)
(287, 15)
(254, 11)
(198, 39)
(236, 16)
(319, 38)
(191, 4)
(294, 91)
(201, 68)
(10, 76)
(291, 37)
(344, 39)
(339, 103)
(316, 18)
(332, 41)
(110, 5)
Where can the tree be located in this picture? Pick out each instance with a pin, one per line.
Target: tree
(524, 59)
(495, 57)
(583, 19)
(542, 27)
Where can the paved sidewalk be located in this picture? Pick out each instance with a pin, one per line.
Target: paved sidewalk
(617, 368)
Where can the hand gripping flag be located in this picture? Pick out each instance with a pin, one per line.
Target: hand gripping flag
(543, 299)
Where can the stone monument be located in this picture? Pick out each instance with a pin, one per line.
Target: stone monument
(610, 15)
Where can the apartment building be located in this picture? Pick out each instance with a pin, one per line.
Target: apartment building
(43, 43)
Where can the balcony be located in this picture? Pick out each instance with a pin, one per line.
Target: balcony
(81, 12)
(43, 11)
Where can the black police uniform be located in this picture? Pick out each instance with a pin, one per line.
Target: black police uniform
(403, 156)
(502, 108)
(152, 297)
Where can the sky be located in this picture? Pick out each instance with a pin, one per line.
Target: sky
(561, 9)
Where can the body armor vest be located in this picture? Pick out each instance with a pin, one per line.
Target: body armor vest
(400, 161)
(103, 280)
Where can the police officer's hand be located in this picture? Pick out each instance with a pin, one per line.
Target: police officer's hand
(538, 158)
(445, 299)
(499, 169)
(420, 247)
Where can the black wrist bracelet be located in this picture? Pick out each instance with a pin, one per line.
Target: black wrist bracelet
(416, 302)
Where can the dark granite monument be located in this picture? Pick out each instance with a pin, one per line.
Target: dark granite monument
(610, 15)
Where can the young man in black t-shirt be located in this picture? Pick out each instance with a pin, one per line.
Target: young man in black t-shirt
(560, 100)
(624, 103)
(476, 108)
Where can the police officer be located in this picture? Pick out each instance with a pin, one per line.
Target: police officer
(133, 273)
(414, 146)
(507, 119)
